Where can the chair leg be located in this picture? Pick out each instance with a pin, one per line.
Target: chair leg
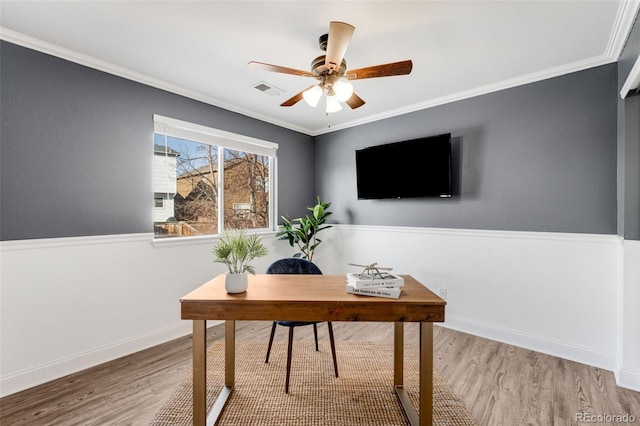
(333, 347)
(289, 350)
(273, 332)
(315, 334)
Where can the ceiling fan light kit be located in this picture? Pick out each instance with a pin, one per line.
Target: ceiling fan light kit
(333, 104)
(339, 91)
(312, 96)
(331, 71)
(343, 89)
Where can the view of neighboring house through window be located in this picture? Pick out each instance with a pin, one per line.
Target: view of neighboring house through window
(191, 196)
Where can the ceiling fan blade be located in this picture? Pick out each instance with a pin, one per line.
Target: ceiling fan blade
(384, 70)
(355, 101)
(339, 36)
(295, 98)
(278, 68)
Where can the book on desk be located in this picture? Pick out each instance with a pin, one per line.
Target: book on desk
(385, 285)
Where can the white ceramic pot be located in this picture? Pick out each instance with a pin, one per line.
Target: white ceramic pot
(236, 283)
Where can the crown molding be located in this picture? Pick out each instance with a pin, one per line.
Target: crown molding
(633, 80)
(477, 91)
(627, 12)
(100, 65)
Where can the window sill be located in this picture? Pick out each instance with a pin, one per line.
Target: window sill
(199, 240)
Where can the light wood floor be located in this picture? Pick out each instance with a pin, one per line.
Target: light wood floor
(501, 385)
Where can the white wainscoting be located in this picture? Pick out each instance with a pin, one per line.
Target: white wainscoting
(71, 303)
(550, 292)
(628, 360)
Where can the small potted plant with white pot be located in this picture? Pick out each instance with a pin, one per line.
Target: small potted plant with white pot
(236, 249)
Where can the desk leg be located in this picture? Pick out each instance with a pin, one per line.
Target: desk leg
(425, 418)
(426, 373)
(229, 372)
(199, 372)
(398, 375)
(229, 353)
(398, 354)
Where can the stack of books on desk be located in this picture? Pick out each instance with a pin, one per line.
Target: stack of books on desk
(387, 285)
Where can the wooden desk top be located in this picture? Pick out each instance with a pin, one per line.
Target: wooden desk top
(309, 298)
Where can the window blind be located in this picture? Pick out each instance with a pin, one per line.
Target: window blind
(203, 134)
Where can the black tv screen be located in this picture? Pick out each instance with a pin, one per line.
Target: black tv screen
(413, 168)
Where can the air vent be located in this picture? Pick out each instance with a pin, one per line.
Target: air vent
(267, 88)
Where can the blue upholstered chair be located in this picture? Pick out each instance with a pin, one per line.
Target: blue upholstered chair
(296, 265)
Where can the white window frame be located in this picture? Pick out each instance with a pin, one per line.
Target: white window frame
(221, 139)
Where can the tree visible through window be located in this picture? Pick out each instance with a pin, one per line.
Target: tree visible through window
(246, 190)
(198, 200)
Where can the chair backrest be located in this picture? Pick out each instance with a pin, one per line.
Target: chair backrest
(293, 265)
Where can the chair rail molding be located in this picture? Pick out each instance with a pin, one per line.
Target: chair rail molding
(531, 289)
(537, 290)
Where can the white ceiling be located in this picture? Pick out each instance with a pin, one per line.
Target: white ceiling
(201, 49)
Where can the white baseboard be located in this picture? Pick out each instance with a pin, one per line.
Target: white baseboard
(624, 378)
(55, 370)
(628, 379)
(497, 282)
(628, 344)
(535, 343)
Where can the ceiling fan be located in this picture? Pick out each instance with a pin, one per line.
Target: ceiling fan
(331, 70)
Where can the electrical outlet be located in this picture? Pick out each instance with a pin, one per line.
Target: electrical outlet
(442, 293)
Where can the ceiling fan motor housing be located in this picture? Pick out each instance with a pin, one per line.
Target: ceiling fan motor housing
(318, 67)
(322, 41)
(331, 70)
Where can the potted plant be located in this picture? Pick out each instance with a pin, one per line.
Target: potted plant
(236, 249)
(303, 231)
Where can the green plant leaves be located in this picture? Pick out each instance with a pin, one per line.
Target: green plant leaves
(301, 232)
(236, 249)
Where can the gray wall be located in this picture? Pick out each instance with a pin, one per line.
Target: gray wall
(76, 148)
(539, 157)
(629, 205)
(629, 144)
(75, 154)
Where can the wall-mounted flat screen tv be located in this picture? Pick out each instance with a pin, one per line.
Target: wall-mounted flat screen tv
(408, 169)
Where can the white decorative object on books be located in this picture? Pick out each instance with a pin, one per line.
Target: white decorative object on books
(374, 281)
(385, 280)
(371, 270)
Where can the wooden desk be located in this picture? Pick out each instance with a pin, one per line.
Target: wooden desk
(310, 298)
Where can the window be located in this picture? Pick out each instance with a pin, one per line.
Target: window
(192, 197)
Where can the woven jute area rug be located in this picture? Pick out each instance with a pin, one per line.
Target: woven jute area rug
(362, 395)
